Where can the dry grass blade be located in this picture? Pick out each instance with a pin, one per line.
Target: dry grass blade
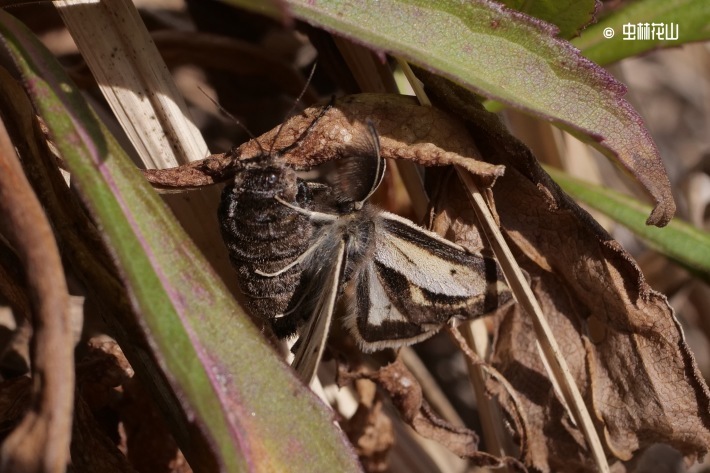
(487, 408)
(432, 391)
(476, 337)
(137, 85)
(134, 80)
(411, 176)
(40, 443)
(550, 349)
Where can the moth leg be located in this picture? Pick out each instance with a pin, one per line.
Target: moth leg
(311, 214)
(293, 263)
(290, 311)
(316, 186)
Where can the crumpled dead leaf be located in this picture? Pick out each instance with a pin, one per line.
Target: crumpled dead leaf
(91, 449)
(370, 429)
(406, 395)
(117, 426)
(407, 131)
(620, 338)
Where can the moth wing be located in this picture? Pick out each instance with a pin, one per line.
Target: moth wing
(417, 282)
(362, 168)
(314, 335)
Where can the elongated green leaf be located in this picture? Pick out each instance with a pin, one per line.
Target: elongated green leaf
(257, 415)
(679, 240)
(512, 58)
(692, 18)
(570, 16)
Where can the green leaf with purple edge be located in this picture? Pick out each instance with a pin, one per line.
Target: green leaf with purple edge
(509, 57)
(680, 241)
(257, 414)
(570, 16)
(692, 18)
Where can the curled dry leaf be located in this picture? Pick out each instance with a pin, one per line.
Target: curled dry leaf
(111, 394)
(93, 447)
(407, 131)
(406, 395)
(370, 429)
(212, 170)
(148, 441)
(630, 146)
(621, 340)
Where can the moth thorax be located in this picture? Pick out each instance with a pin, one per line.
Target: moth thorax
(359, 229)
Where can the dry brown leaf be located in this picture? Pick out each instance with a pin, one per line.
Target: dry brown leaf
(370, 429)
(149, 443)
(111, 395)
(624, 346)
(91, 449)
(406, 395)
(407, 131)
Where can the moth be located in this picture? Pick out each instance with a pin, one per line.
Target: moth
(299, 246)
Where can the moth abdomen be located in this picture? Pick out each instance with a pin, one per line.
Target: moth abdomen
(249, 247)
(263, 236)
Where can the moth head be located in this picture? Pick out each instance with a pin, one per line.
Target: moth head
(267, 179)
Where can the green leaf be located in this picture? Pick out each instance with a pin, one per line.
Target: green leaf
(691, 16)
(679, 240)
(570, 16)
(512, 58)
(258, 416)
